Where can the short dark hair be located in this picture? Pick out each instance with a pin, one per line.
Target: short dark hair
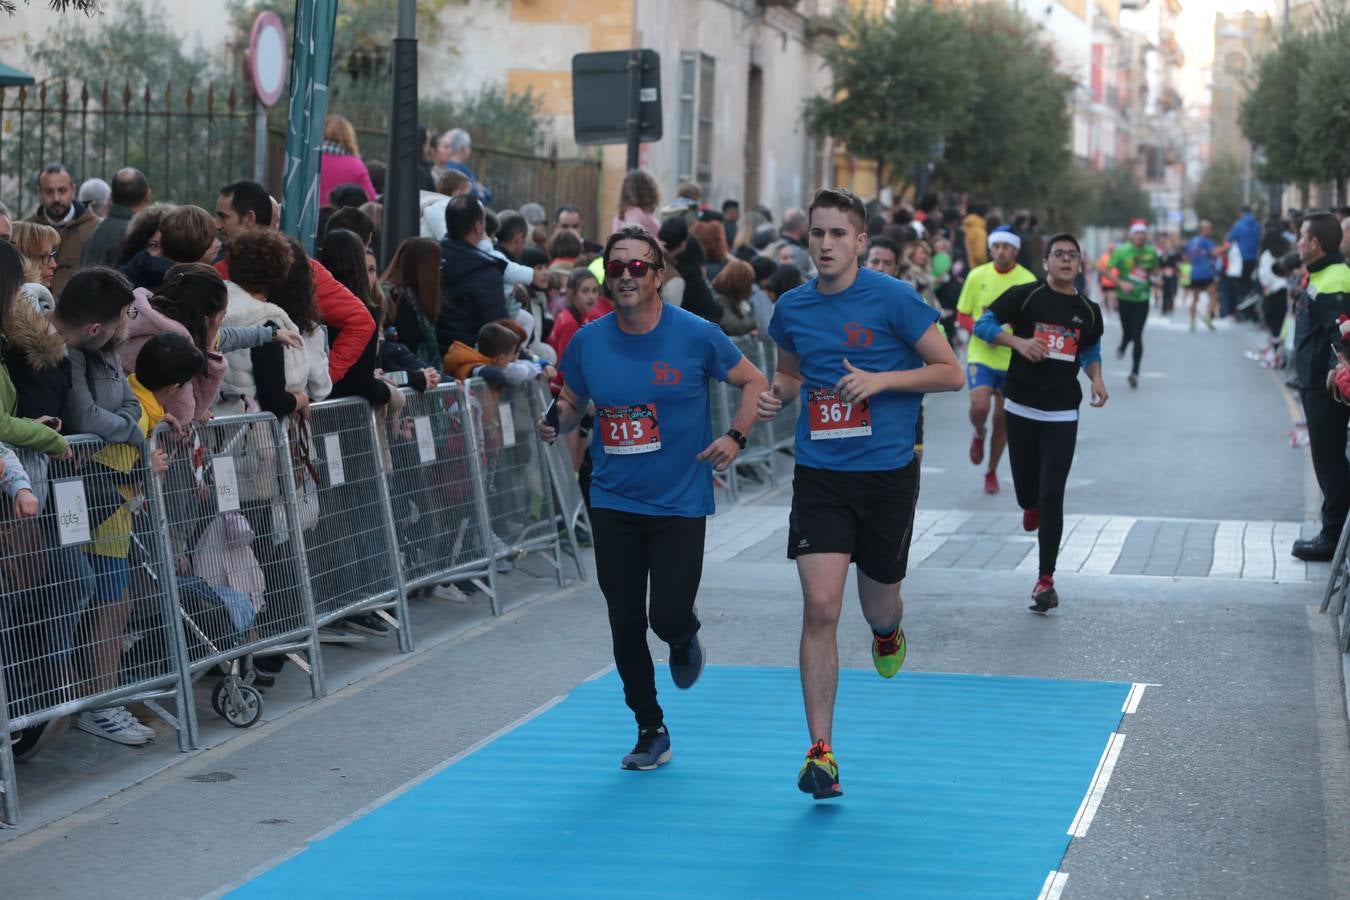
(494, 340)
(249, 197)
(462, 214)
(511, 225)
(94, 296)
(1325, 228)
(347, 195)
(168, 358)
(784, 279)
(564, 244)
(490, 223)
(636, 233)
(730, 204)
(566, 208)
(55, 168)
(378, 172)
(884, 243)
(351, 219)
(1062, 237)
(130, 187)
(186, 233)
(843, 200)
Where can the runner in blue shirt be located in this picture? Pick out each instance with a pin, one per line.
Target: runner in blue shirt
(1200, 253)
(859, 349)
(648, 368)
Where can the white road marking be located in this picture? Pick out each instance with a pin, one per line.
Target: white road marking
(1133, 698)
(1087, 810)
(1054, 886)
(1079, 543)
(1107, 549)
(1258, 553)
(1228, 550)
(1287, 568)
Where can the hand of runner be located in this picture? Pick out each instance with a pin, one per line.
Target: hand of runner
(1099, 394)
(858, 385)
(721, 453)
(547, 433)
(769, 403)
(1031, 349)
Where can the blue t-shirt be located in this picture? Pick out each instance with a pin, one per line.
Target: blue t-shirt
(656, 383)
(875, 325)
(1200, 251)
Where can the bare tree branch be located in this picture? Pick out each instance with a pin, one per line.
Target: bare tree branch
(88, 7)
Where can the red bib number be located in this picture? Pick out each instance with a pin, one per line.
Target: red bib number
(833, 418)
(629, 429)
(1062, 342)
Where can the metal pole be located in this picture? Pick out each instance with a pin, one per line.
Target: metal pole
(634, 106)
(259, 142)
(400, 190)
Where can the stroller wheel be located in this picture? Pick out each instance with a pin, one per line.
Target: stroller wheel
(239, 704)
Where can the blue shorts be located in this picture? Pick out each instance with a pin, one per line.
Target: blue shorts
(112, 575)
(979, 375)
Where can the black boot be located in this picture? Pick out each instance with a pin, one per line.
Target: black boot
(1317, 549)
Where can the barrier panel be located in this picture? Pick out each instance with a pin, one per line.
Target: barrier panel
(571, 504)
(85, 623)
(343, 498)
(754, 465)
(442, 533)
(241, 587)
(1338, 585)
(517, 491)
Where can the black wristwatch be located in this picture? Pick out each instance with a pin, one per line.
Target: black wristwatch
(737, 437)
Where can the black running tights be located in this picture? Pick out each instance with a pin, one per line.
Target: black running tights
(1132, 319)
(630, 551)
(1041, 454)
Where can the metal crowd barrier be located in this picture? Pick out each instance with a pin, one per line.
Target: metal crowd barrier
(85, 620)
(566, 490)
(756, 462)
(1338, 587)
(256, 535)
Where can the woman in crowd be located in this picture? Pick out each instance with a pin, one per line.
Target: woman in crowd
(1274, 291)
(340, 159)
(712, 237)
(143, 233)
(732, 287)
(638, 199)
(344, 255)
(563, 249)
(412, 286)
(37, 246)
(395, 356)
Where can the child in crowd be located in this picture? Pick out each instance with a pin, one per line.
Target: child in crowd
(495, 359)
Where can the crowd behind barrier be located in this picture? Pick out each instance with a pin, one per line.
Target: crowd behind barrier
(258, 533)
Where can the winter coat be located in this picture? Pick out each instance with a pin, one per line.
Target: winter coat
(337, 168)
(471, 292)
(145, 323)
(239, 390)
(461, 360)
(15, 430)
(74, 235)
(224, 559)
(977, 240)
(105, 242)
(101, 401)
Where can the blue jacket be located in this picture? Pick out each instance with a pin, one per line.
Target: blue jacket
(1246, 232)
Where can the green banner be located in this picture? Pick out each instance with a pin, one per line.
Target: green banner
(311, 63)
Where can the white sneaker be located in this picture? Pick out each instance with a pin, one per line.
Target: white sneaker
(449, 592)
(130, 720)
(106, 723)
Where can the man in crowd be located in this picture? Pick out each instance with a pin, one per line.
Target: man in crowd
(245, 205)
(987, 365)
(731, 215)
(1246, 233)
(568, 218)
(74, 221)
(97, 195)
(1316, 342)
(130, 194)
(883, 255)
(793, 233)
(452, 153)
(472, 288)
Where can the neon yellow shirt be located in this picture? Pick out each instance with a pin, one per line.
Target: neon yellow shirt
(983, 286)
(113, 536)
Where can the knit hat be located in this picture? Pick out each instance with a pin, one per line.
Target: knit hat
(1004, 234)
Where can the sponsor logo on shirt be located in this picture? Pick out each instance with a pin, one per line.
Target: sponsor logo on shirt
(857, 336)
(664, 373)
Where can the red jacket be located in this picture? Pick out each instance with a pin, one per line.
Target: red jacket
(339, 308)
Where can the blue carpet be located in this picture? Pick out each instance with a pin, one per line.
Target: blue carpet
(955, 786)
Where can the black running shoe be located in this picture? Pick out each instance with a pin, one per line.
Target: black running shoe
(686, 663)
(651, 750)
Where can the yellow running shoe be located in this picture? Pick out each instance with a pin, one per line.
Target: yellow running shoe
(819, 775)
(888, 653)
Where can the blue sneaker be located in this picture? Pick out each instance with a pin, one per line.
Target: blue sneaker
(652, 750)
(686, 663)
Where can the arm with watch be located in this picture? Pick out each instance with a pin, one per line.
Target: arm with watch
(722, 452)
(233, 337)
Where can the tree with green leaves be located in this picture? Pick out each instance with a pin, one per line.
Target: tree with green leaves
(900, 85)
(1269, 115)
(1322, 122)
(88, 7)
(1120, 199)
(1218, 196)
(1014, 144)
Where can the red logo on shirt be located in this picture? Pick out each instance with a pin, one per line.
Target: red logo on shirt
(665, 374)
(857, 336)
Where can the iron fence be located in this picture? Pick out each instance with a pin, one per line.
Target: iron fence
(187, 142)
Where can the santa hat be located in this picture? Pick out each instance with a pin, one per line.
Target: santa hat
(1138, 226)
(1004, 235)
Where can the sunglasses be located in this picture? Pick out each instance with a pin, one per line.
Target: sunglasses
(638, 268)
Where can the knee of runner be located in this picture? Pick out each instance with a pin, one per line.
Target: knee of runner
(821, 612)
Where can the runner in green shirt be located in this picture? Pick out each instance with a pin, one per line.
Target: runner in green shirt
(1135, 267)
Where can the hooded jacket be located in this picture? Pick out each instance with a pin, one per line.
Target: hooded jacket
(471, 289)
(145, 323)
(238, 388)
(461, 359)
(977, 238)
(37, 362)
(15, 430)
(74, 234)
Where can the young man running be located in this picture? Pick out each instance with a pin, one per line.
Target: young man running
(859, 349)
(649, 367)
(987, 365)
(1055, 330)
(1134, 264)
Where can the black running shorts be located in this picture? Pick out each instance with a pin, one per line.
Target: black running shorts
(868, 515)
